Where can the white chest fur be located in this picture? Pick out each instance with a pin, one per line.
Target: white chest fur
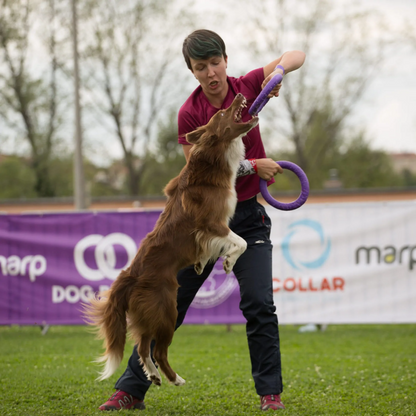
(235, 153)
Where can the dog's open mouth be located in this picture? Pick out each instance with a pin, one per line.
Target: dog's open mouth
(238, 113)
(240, 103)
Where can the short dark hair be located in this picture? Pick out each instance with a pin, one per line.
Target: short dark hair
(202, 44)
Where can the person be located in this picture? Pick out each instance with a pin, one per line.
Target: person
(205, 55)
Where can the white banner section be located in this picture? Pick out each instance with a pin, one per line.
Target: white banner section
(345, 263)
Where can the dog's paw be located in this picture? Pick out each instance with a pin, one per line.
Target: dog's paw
(198, 268)
(228, 265)
(179, 381)
(228, 269)
(155, 380)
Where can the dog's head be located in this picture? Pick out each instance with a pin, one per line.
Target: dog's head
(224, 126)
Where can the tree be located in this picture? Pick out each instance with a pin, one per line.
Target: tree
(29, 93)
(356, 163)
(128, 55)
(345, 49)
(16, 178)
(359, 166)
(166, 160)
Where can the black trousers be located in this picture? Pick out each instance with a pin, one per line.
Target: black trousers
(253, 271)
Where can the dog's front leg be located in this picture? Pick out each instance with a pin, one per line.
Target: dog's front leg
(200, 265)
(235, 247)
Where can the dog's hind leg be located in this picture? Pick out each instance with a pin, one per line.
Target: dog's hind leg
(234, 248)
(146, 361)
(160, 353)
(163, 338)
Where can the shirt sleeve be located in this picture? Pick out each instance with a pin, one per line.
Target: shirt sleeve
(252, 82)
(186, 124)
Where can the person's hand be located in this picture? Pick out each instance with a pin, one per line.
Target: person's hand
(267, 168)
(275, 91)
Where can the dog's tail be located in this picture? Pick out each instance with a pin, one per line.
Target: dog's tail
(107, 314)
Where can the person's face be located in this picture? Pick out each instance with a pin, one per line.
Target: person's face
(211, 73)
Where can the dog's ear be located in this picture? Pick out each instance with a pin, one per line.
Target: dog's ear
(195, 135)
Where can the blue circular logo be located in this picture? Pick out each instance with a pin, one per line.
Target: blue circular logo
(325, 245)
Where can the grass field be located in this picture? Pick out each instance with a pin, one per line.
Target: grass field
(346, 370)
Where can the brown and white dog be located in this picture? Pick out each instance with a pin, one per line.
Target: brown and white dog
(193, 229)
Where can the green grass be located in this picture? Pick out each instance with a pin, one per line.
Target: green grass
(346, 370)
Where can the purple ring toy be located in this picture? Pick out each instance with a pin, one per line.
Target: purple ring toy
(303, 182)
(262, 98)
(255, 108)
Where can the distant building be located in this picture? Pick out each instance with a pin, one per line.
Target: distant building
(403, 161)
(115, 175)
(333, 182)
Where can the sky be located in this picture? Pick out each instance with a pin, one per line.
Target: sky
(387, 112)
(388, 109)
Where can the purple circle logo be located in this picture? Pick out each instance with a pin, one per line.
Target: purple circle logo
(216, 289)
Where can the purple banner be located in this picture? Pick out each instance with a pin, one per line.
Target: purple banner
(51, 263)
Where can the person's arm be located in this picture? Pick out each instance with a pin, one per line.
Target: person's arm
(290, 61)
(186, 149)
(266, 168)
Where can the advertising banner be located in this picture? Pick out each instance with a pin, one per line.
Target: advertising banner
(338, 263)
(52, 263)
(345, 263)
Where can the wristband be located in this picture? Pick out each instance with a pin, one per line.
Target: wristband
(245, 168)
(281, 67)
(254, 164)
